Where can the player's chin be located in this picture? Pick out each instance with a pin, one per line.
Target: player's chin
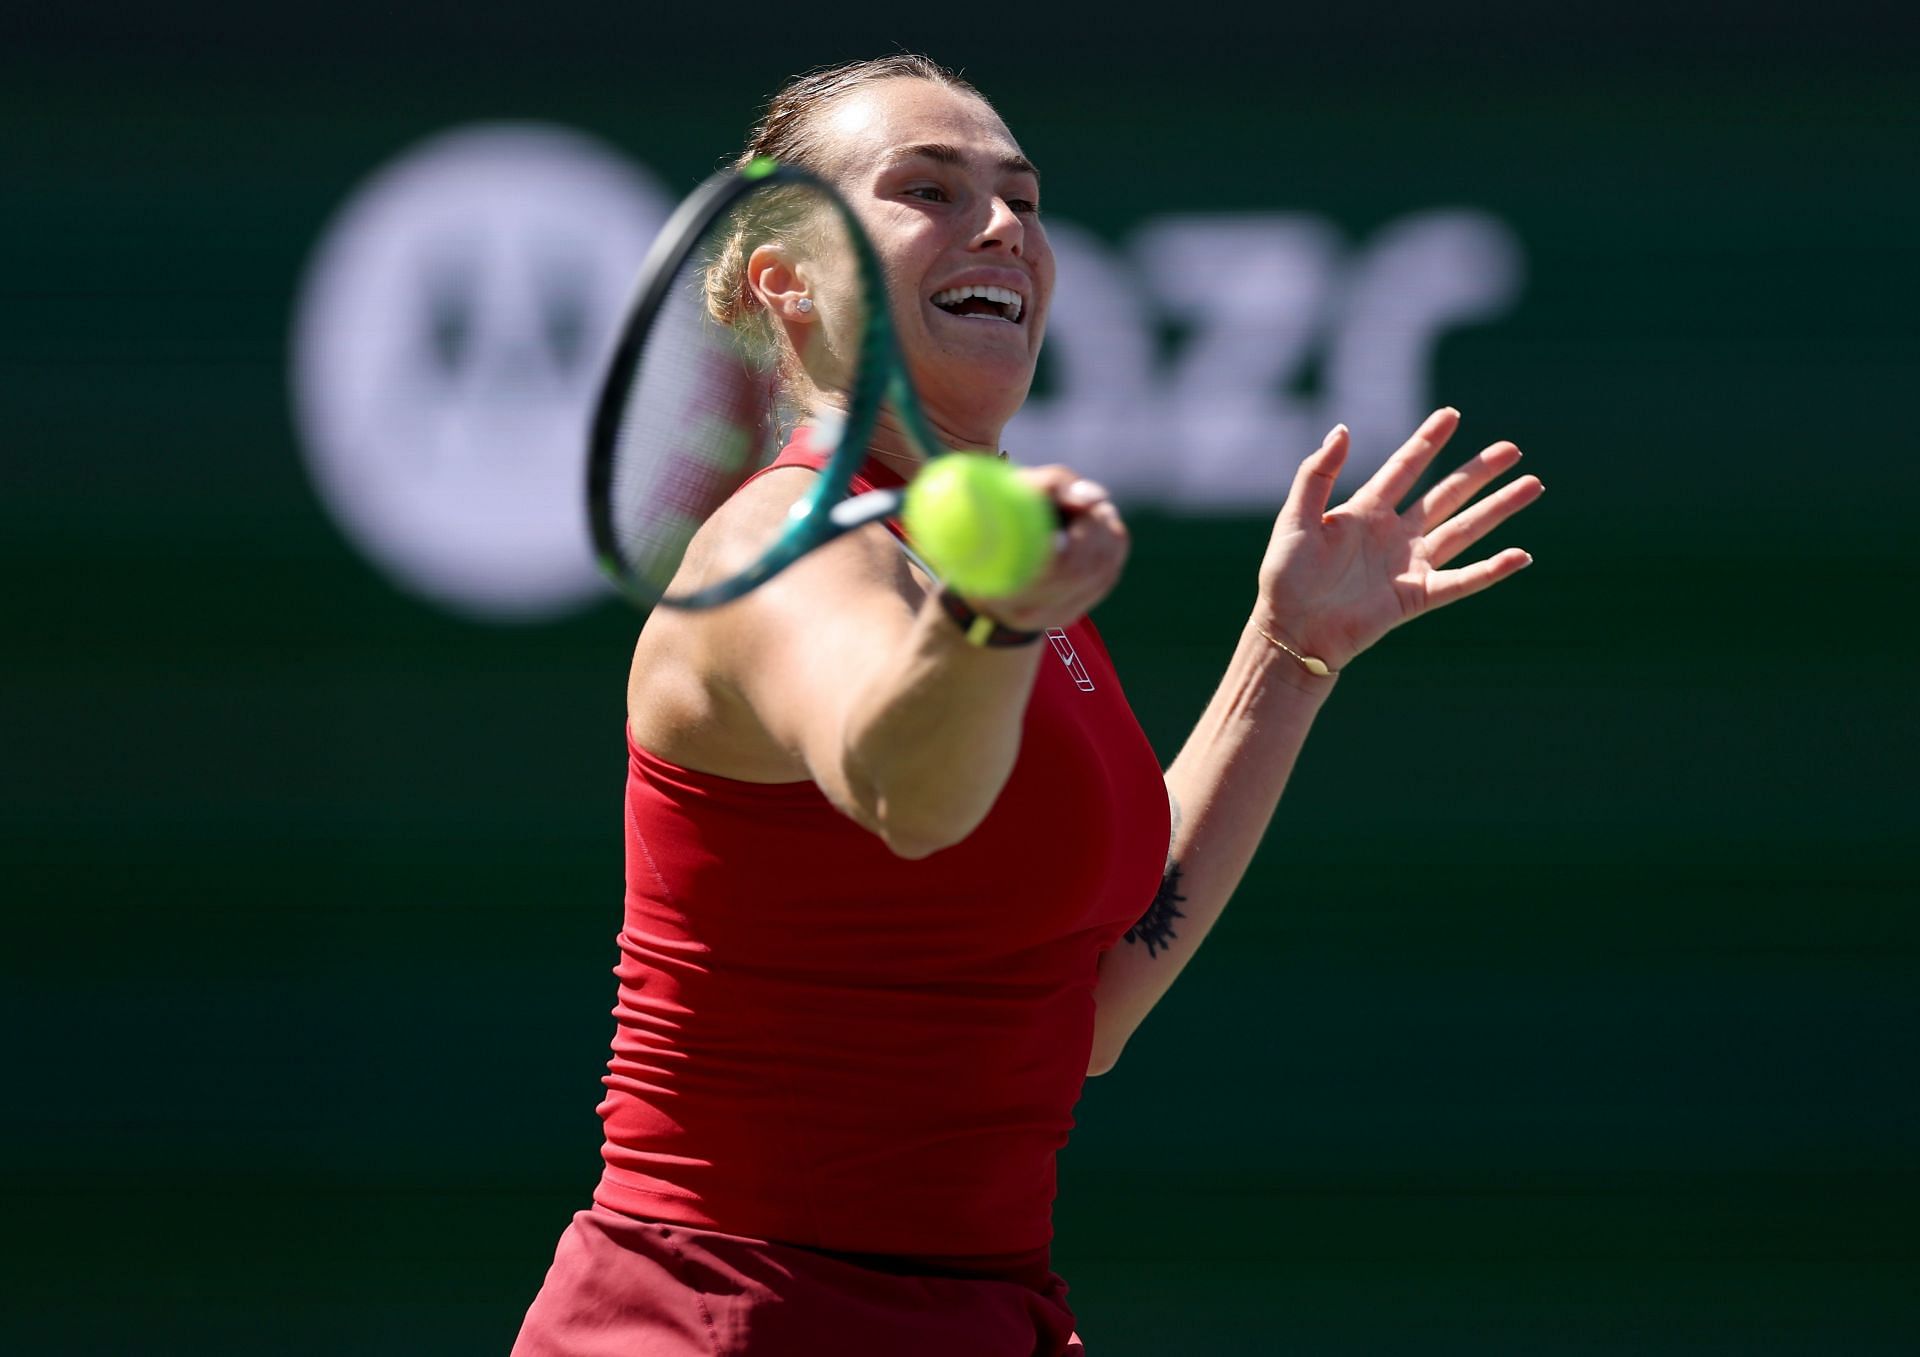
(995, 379)
(990, 346)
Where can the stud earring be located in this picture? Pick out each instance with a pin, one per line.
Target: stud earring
(804, 305)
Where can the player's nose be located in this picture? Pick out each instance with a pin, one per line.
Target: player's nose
(1004, 230)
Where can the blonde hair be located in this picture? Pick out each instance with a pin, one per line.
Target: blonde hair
(788, 131)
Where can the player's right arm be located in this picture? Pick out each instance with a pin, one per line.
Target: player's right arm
(844, 669)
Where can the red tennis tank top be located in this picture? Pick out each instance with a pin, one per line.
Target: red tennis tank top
(824, 1044)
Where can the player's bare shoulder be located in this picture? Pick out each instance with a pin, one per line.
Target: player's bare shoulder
(689, 693)
(679, 691)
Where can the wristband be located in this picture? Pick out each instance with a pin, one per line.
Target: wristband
(978, 628)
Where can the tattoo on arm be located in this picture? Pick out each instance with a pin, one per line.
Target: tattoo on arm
(1155, 928)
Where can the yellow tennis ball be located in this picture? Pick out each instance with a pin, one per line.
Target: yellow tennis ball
(987, 532)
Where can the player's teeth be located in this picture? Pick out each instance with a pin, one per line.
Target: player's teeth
(1000, 296)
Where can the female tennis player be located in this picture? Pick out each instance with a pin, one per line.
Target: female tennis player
(897, 882)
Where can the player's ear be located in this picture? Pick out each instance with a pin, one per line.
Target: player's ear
(776, 280)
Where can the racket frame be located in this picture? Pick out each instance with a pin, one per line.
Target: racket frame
(823, 512)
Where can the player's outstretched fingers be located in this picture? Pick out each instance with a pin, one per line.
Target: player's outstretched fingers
(1401, 472)
(1464, 529)
(1313, 482)
(1450, 586)
(1451, 495)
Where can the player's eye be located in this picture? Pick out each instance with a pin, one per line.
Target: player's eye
(930, 193)
(1024, 207)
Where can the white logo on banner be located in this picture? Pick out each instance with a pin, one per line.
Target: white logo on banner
(1219, 426)
(453, 321)
(446, 352)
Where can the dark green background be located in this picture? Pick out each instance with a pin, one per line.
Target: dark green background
(1571, 1006)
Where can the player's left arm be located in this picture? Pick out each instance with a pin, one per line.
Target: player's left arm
(1331, 584)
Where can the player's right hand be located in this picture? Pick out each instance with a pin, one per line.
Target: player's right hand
(1090, 550)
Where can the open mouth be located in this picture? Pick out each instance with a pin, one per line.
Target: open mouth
(990, 303)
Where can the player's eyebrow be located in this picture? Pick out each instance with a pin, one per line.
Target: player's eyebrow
(952, 155)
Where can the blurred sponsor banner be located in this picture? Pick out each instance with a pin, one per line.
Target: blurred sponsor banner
(453, 318)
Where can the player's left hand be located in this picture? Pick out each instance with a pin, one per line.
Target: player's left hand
(1336, 580)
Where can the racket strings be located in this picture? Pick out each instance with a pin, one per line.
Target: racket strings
(702, 417)
(715, 388)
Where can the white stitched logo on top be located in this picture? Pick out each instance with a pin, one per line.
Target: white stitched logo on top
(1064, 649)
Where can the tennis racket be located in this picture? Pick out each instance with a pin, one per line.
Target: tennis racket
(703, 389)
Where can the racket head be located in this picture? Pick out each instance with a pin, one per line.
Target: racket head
(707, 382)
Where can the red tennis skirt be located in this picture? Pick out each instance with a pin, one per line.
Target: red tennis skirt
(621, 1287)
